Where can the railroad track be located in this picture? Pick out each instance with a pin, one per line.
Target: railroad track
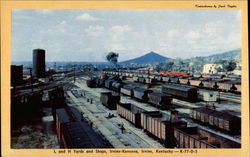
(183, 110)
(136, 132)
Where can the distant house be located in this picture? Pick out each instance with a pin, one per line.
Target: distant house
(211, 68)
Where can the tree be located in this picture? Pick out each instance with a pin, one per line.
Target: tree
(230, 66)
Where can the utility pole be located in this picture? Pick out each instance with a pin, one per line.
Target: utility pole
(74, 73)
(148, 72)
(55, 66)
(31, 79)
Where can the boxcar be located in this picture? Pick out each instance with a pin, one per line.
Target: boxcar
(130, 112)
(100, 82)
(103, 76)
(152, 76)
(210, 84)
(159, 78)
(226, 85)
(181, 91)
(221, 120)
(127, 90)
(174, 79)
(80, 135)
(122, 77)
(195, 82)
(161, 126)
(61, 116)
(141, 93)
(216, 76)
(150, 81)
(191, 138)
(56, 96)
(141, 80)
(236, 86)
(195, 137)
(109, 100)
(116, 86)
(161, 100)
(135, 79)
(232, 77)
(91, 83)
(131, 75)
(183, 80)
(166, 79)
(108, 83)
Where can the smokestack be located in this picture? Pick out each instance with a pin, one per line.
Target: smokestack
(39, 63)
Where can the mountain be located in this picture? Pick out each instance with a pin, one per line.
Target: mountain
(233, 54)
(148, 58)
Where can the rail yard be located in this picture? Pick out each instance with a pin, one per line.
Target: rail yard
(133, 109)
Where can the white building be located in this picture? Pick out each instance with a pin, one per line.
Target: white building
(210, 96)
(211, 68)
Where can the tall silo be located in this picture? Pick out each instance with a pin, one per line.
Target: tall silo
(39, 63)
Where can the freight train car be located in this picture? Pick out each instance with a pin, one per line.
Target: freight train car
(127, 90)
(110, 100)
(161, 126)
(116, 86)
(181, 91)
(73, 131)
(130, 112)
(150, 80)
(159, 78)
(100, 82)
(174, 79)
(194, 137)
(195, 82)
(226, 86)
(141, 80)
(221, 120)
(166, 79)
(141, 93)
(91, 83)
(184, 80)
(135, 78)
(209, 84)
(56, 99)
(161, 100)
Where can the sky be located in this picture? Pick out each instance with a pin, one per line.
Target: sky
(89, 35)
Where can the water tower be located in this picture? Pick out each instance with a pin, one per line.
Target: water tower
(38, 63)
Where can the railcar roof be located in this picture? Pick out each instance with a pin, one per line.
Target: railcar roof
(222, 115)
(80, 135)
(179, 87)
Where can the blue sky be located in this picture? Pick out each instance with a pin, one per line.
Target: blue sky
(88, 35)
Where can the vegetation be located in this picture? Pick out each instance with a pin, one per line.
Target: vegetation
(195, 65)
(228, 60)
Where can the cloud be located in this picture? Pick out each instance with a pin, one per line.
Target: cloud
(94, 30)
(86, 17)
(44, 11)
(213, 28)
(173, 33)
(88, 49)
(59, 28)
(238, 15)
(118, 38)
(193, 35)
(120, 29)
